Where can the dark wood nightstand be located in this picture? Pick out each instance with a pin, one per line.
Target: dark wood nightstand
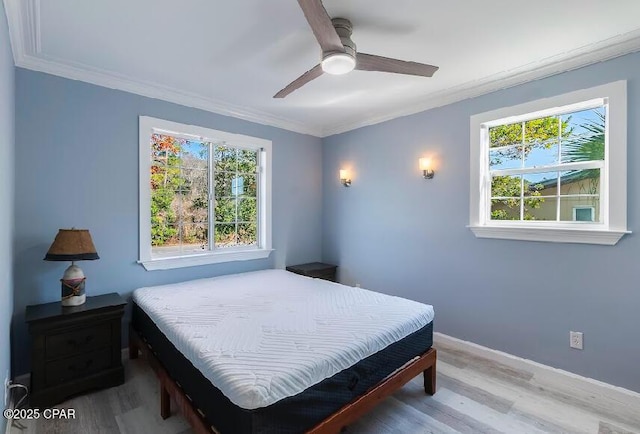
(74, 349)
(315, 269)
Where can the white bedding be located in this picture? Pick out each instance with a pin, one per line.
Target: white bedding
(263, 336)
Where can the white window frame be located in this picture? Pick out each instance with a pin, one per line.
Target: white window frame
(613, 174)
(149, 126)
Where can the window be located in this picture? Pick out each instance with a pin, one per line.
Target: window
(204, 195)
(552, 169)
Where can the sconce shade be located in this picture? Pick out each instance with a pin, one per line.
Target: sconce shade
(425, 163)
(425, 166)
(345, 179)
(72, 245)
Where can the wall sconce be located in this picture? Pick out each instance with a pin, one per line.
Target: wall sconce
(427, 170)
(345, 179)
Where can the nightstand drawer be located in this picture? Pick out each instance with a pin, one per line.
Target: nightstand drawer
(76, 342)
(71, 368)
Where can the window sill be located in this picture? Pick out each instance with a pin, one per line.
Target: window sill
(204, 259)
(553, 235)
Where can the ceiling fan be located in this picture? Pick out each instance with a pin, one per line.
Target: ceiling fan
(339, 54)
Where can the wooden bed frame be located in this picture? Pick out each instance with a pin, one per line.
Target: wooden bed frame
(351, 412)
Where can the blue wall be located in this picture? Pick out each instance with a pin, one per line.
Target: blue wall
(6, 199)
(394, 232)
(77, 165)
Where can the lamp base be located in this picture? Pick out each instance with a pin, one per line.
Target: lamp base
(74, 300)
(73, 286)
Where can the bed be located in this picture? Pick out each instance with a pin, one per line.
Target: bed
(275, 352)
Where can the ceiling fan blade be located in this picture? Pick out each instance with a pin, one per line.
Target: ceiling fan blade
(320, 23)
(305, 78)
(369, 62)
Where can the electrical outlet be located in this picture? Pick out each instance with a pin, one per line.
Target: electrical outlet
(7, 382)
(575, 340)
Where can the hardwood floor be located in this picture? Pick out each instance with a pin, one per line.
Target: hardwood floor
(475, 395)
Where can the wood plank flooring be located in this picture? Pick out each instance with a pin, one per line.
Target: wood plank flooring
(475, 395)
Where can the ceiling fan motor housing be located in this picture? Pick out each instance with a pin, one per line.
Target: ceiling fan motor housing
(344, 29)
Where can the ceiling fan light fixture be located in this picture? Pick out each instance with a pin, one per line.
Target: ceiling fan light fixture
(338, 63)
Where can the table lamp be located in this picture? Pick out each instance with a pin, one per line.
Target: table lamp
(72, 245)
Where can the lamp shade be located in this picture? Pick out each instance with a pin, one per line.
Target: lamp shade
(72, 245)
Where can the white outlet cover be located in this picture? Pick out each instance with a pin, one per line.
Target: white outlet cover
(576, 340)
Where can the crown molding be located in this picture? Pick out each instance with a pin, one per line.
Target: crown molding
(112, 80)
(589, 54)
(24, 31)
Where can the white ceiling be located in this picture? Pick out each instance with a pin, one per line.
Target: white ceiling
(231, 57)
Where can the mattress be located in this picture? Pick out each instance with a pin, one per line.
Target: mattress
(292, 415)
(264, 336)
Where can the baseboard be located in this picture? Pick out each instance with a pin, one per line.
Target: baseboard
(550, 374)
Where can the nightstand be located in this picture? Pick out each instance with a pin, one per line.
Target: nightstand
(75, 349)
(315, 269)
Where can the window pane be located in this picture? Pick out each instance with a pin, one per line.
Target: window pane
(541, 184)
(583, 149)
(585, 208)
(581, 123)
(177, 206)
(250, 185)
(585, 181)
(225, 235)
(223, 184)
(585, 141)
(541, 154)
(508, 209)
(165, 149)
(225, 210)
(506, 186)
(504, 135)
(194, 155)
(247, 234)
(195, 178)
(225, 159)
(195, 201)
(162, 232)
(165, 177)
(195, 238)
(179, 194)
(541, 131)
(541, 208)
(198, 209)
(505, 158)
(171, 245)
(247, 161)
(247, 210)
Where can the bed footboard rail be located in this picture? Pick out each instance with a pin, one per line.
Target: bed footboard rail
(353, 411)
